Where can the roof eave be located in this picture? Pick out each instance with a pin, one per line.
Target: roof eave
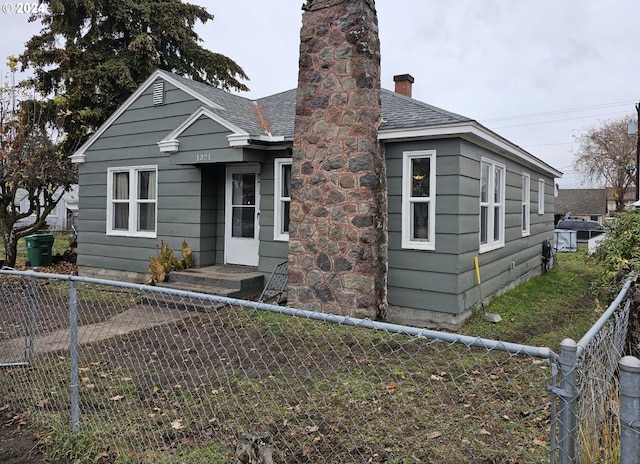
(79, 156)
(268, 142)
(473, 132)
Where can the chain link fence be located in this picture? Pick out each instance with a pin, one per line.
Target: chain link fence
(589, 389)
(135, 374)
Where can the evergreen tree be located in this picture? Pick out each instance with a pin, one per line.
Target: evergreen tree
(93, 54)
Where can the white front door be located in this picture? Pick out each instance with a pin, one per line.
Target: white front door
(242, 214)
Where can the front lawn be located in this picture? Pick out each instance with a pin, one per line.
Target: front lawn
(546, 309)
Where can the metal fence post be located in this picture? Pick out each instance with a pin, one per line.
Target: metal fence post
(31, 318)
(568, 398)
(629, 410)
(73, 354)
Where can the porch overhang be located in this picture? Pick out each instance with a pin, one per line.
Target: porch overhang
(219, 155)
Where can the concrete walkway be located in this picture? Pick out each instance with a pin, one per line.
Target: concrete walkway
(137, 318)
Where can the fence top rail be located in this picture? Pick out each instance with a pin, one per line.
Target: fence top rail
(478, 342)
(613, 307)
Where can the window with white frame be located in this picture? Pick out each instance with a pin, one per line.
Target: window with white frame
(419, 199)
(540, 196)
(526, 204)
(281, 198)
(132, 201)
(492, 187)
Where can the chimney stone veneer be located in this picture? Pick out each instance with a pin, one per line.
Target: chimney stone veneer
(337, 228)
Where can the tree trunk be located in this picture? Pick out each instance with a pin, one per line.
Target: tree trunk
(10, 241)
(337, 230)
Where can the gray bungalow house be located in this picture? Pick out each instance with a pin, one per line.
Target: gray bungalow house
(180, 160)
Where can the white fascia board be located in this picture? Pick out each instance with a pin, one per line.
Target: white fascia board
(270, 138)
(244, 139)
(239, 140)
(79, 155)
(473, 132)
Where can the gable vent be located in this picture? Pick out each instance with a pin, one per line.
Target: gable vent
(158, 93)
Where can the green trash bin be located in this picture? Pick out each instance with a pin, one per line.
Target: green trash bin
(39, 249)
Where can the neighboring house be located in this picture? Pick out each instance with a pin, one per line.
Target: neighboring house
(589, 204)
(61, 218)
(629, 199)
(180, 160)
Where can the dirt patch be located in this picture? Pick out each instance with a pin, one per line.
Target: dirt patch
(191, 386)
(18, 445)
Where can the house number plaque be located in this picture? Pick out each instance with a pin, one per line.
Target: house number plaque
(203, 157)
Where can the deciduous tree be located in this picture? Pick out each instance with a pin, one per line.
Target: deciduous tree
(32, 165)
(94, 53)
(606, 157)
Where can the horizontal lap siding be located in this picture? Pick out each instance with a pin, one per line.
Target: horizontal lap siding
(419, 279)
(496, 269)
(444, 280)
(132, 141)
(213, 178)
(272, 252)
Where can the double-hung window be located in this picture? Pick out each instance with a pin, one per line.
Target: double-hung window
(419, 199)
(132, 201)
(540, 196)
(492, 187)
(282, 198)
(526, 204)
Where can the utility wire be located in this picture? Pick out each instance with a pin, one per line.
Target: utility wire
(548, 144)
(553, 112)
(561, 120)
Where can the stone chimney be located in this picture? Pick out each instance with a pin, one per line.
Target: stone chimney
(404, 82)
(337, 228)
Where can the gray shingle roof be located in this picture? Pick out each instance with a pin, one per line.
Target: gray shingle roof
(236, 109)
(398, 111)
(280, 112)
(581, 202)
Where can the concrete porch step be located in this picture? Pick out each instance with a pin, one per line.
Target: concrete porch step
(201, 288)
(225, 280)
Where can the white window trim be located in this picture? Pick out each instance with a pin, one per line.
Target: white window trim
(492, 244)
(407, 200)
(541, 186)
(133, 210)
(526, 204)
(278, 200)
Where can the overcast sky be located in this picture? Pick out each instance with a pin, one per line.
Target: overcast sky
(538, 72)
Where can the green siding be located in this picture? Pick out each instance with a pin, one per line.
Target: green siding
(132, 141)
(444, 280)
(191, 202)
(272, 252)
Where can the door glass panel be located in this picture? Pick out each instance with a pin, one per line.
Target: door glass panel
(243, 222)
(244, 189)
(243, 209)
